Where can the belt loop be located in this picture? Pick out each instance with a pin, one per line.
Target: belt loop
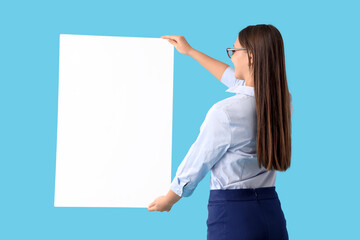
(255, 193)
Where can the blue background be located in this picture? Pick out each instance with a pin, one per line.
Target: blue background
(319, 193)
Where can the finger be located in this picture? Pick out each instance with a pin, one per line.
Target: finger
(151, 204)
(151, 209)
(165, 37)
(176, 37)
(168, 38)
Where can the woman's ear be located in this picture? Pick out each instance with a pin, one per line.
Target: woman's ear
(251, 59)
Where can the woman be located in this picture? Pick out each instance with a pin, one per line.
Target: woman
(244, 140)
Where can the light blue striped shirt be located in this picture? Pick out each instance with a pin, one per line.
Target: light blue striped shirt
(226, 145)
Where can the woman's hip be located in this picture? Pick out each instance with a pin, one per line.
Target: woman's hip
(252, 213)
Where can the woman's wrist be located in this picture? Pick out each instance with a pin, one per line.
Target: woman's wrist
(190, 52)
(172, 197)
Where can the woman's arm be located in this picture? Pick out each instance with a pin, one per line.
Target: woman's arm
(215, 67)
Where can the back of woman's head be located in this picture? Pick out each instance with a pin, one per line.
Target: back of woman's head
(272, 96)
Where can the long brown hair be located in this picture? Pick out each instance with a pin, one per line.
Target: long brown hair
(272, 96)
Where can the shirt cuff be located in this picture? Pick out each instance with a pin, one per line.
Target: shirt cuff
(178, 187)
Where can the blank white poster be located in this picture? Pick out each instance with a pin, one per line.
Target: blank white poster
(114, 129)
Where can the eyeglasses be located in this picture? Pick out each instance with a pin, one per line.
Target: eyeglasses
(231, 51)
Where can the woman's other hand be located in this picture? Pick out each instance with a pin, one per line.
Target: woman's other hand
(160, 204)
(179, 42)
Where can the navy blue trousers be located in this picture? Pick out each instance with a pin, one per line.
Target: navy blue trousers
(249, 214)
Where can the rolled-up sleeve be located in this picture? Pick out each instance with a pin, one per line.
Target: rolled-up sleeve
(211, 144)
(228, 78)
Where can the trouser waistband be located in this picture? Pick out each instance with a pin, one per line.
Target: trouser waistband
(243, 194)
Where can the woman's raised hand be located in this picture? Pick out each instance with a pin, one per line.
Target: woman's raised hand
(179, 42)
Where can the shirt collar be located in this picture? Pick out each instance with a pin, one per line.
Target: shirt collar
(239, 88)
